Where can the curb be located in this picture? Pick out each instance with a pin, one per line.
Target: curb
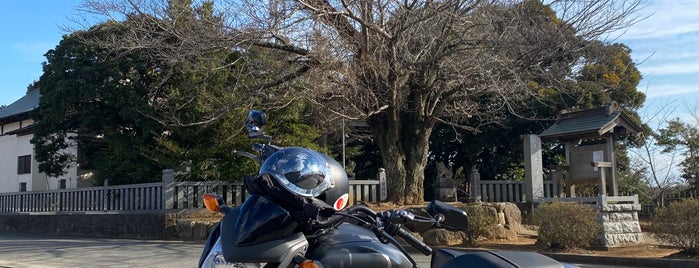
(624, 261)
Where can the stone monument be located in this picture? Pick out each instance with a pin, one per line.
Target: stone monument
(444, 188)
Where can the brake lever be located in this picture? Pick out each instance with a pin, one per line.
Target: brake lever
(404, 216)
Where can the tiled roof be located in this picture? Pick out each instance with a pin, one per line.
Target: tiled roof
(21, 106)
(590, 123)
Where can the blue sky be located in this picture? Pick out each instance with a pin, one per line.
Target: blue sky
(665, 47)
(29, 29)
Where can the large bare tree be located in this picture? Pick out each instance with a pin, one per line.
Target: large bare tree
(402, 66)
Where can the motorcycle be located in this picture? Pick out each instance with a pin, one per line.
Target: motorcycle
(273, 228)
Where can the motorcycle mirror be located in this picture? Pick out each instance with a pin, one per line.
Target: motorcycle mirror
(454, 219)
(255, 121)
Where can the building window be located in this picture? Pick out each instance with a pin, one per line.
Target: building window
(22, 186)
(24, 164)
(62, 184)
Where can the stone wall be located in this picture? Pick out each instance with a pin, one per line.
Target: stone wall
(145, 225)
(180, 225)
(506, 217)
(620, 226)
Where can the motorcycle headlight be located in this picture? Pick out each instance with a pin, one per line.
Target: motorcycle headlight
(215, 259)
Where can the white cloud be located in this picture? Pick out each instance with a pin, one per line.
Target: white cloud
(671, 68)
(665, 60)
(664, 47)
(660, 29)
(659, 90)
(665, 18)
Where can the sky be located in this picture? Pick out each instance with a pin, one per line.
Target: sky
(665, 47)
(29, 29)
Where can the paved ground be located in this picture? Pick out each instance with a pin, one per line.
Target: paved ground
(24, 250)
(33, 250)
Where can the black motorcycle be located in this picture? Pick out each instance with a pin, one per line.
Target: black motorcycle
(295, 217)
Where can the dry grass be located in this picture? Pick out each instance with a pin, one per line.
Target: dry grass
(651, 249)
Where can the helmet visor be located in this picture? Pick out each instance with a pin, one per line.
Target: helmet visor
(299, 170)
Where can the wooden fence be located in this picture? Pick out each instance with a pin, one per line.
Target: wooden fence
(170, 194)
(159, 196)
(509, 191)
(667, 198)
(136, 197)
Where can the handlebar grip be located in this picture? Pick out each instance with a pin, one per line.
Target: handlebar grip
(414, 242)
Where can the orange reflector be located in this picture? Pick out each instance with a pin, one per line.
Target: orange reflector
(308, 264)
(211, 203)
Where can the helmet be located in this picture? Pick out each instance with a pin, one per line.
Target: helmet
(307, 173)
(338, 195)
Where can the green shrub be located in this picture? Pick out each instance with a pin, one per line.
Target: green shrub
(482, 221)
(678, 224)
(566, 225)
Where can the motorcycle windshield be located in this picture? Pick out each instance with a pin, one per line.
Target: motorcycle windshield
(261, 220)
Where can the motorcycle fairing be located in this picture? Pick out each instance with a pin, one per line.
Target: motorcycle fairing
(260, 220)
(210, 241)
(260, 231)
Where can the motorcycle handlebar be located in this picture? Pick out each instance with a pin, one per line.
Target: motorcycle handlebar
(342, 216)
(362, 208)
(400, 232)
(329, 221)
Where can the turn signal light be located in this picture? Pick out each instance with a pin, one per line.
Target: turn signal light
(211, 202)
(309, 264)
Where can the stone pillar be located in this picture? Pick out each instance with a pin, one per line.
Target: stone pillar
(475, 181)
(168, 189)
(383, 189)
(533, 169)
(620, 226)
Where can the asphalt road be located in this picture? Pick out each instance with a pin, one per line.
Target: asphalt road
(29, 250)
(34, 250)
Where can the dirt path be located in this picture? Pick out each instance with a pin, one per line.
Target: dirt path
(651, 249)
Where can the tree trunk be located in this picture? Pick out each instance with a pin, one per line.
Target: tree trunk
(404, 143)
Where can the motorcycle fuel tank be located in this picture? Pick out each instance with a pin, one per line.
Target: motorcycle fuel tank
(351, 246)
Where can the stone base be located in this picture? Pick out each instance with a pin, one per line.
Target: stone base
(445, 194)
(620, 226)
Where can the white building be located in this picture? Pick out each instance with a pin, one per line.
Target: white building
(19, 170)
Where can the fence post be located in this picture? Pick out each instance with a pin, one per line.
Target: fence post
(475, 179)
(105, 195)
(168, 189)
